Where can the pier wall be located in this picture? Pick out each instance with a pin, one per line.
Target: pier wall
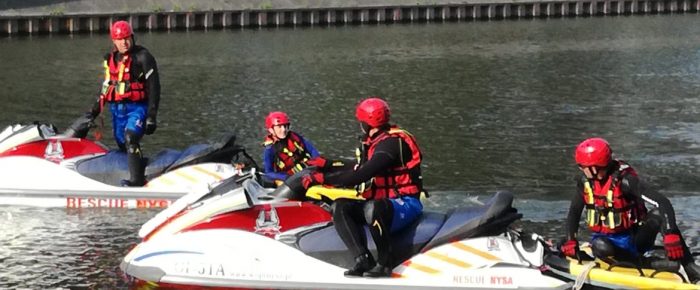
(94, 21)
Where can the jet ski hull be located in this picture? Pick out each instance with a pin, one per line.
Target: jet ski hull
(248, 237)
(31, 181)
(236, 258)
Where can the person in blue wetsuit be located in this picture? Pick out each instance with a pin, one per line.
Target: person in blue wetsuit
(286, 152)
(613, 197)
(132, 90)
(390, 166)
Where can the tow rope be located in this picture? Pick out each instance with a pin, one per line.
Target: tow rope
(581, 278)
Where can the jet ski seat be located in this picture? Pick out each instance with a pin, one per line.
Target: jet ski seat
(492, 218)
(112, 167)
(326, 245)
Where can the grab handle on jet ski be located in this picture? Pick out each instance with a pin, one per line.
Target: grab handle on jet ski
(627, 265)
(583, 256)
(667, 266)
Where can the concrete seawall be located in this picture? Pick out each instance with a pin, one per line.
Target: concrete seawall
(19, 17)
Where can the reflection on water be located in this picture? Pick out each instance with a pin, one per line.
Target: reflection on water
(494, 105)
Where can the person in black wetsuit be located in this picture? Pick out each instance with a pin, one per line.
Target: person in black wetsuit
(132, 89)
(390, 166)
(614, 197)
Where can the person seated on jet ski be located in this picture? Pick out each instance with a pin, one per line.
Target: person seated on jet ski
(132, 90)
(286, 152)
(390, 161)
(613, 197)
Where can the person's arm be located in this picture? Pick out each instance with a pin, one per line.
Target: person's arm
(151, 80)
(633, 185)
(269, 167)
(386, 155)
(575, 209)
(96, 108)
(310, 147)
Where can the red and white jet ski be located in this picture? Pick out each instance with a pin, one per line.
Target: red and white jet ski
(243, 237)
(39, 167)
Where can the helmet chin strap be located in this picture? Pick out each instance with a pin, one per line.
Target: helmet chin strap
(365, 130)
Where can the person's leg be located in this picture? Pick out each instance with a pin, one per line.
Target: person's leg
(348, 218)
(136, 117)
(119, 120)
(386, 217)
(646, 236)
(647, 230)
(378, 216)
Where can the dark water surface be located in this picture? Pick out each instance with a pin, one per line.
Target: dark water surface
(495, 106)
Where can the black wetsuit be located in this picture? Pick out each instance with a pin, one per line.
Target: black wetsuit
(350, 216)
(128, 132)
(144, 69)
(660, 219)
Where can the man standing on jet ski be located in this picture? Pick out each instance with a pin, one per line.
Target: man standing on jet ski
(613, 197)
(390, 162)
(132, 90)
(286, 152)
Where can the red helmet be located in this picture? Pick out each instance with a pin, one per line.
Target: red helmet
(276, 118)
(593, 152)
(121, 29)
(373, 111)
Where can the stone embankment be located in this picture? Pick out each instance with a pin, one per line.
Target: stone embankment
(19, 17)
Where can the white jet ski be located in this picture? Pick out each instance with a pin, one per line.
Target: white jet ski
(243, 237)
(39, 167)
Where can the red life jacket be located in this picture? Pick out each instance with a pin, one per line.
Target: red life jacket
(608, 210)
(291, 153)
(405, 179)
(118, 85)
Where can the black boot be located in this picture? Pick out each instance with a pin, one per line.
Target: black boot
(378, 271)
(136, 170)
(693, 271)
(363, 263)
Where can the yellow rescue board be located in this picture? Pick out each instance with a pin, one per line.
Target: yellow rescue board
(629, 277)
(317, 192)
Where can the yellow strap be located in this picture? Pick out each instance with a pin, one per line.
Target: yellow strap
(297, 168)
(611, 216)
(297, 146)
(105, 84)
(106, 66)
(121, 68)
(591, 215)
(121, 85)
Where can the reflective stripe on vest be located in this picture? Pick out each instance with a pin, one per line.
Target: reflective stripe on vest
(118, 85)
(400, 180)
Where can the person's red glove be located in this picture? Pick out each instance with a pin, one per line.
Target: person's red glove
(311, 179)
(318, 161)
(673, 246)
(570, 248)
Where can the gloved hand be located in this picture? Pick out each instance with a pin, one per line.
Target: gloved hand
(319, 162)
(570, 248)
(151, 125)
(673, 246)
(311, 179)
